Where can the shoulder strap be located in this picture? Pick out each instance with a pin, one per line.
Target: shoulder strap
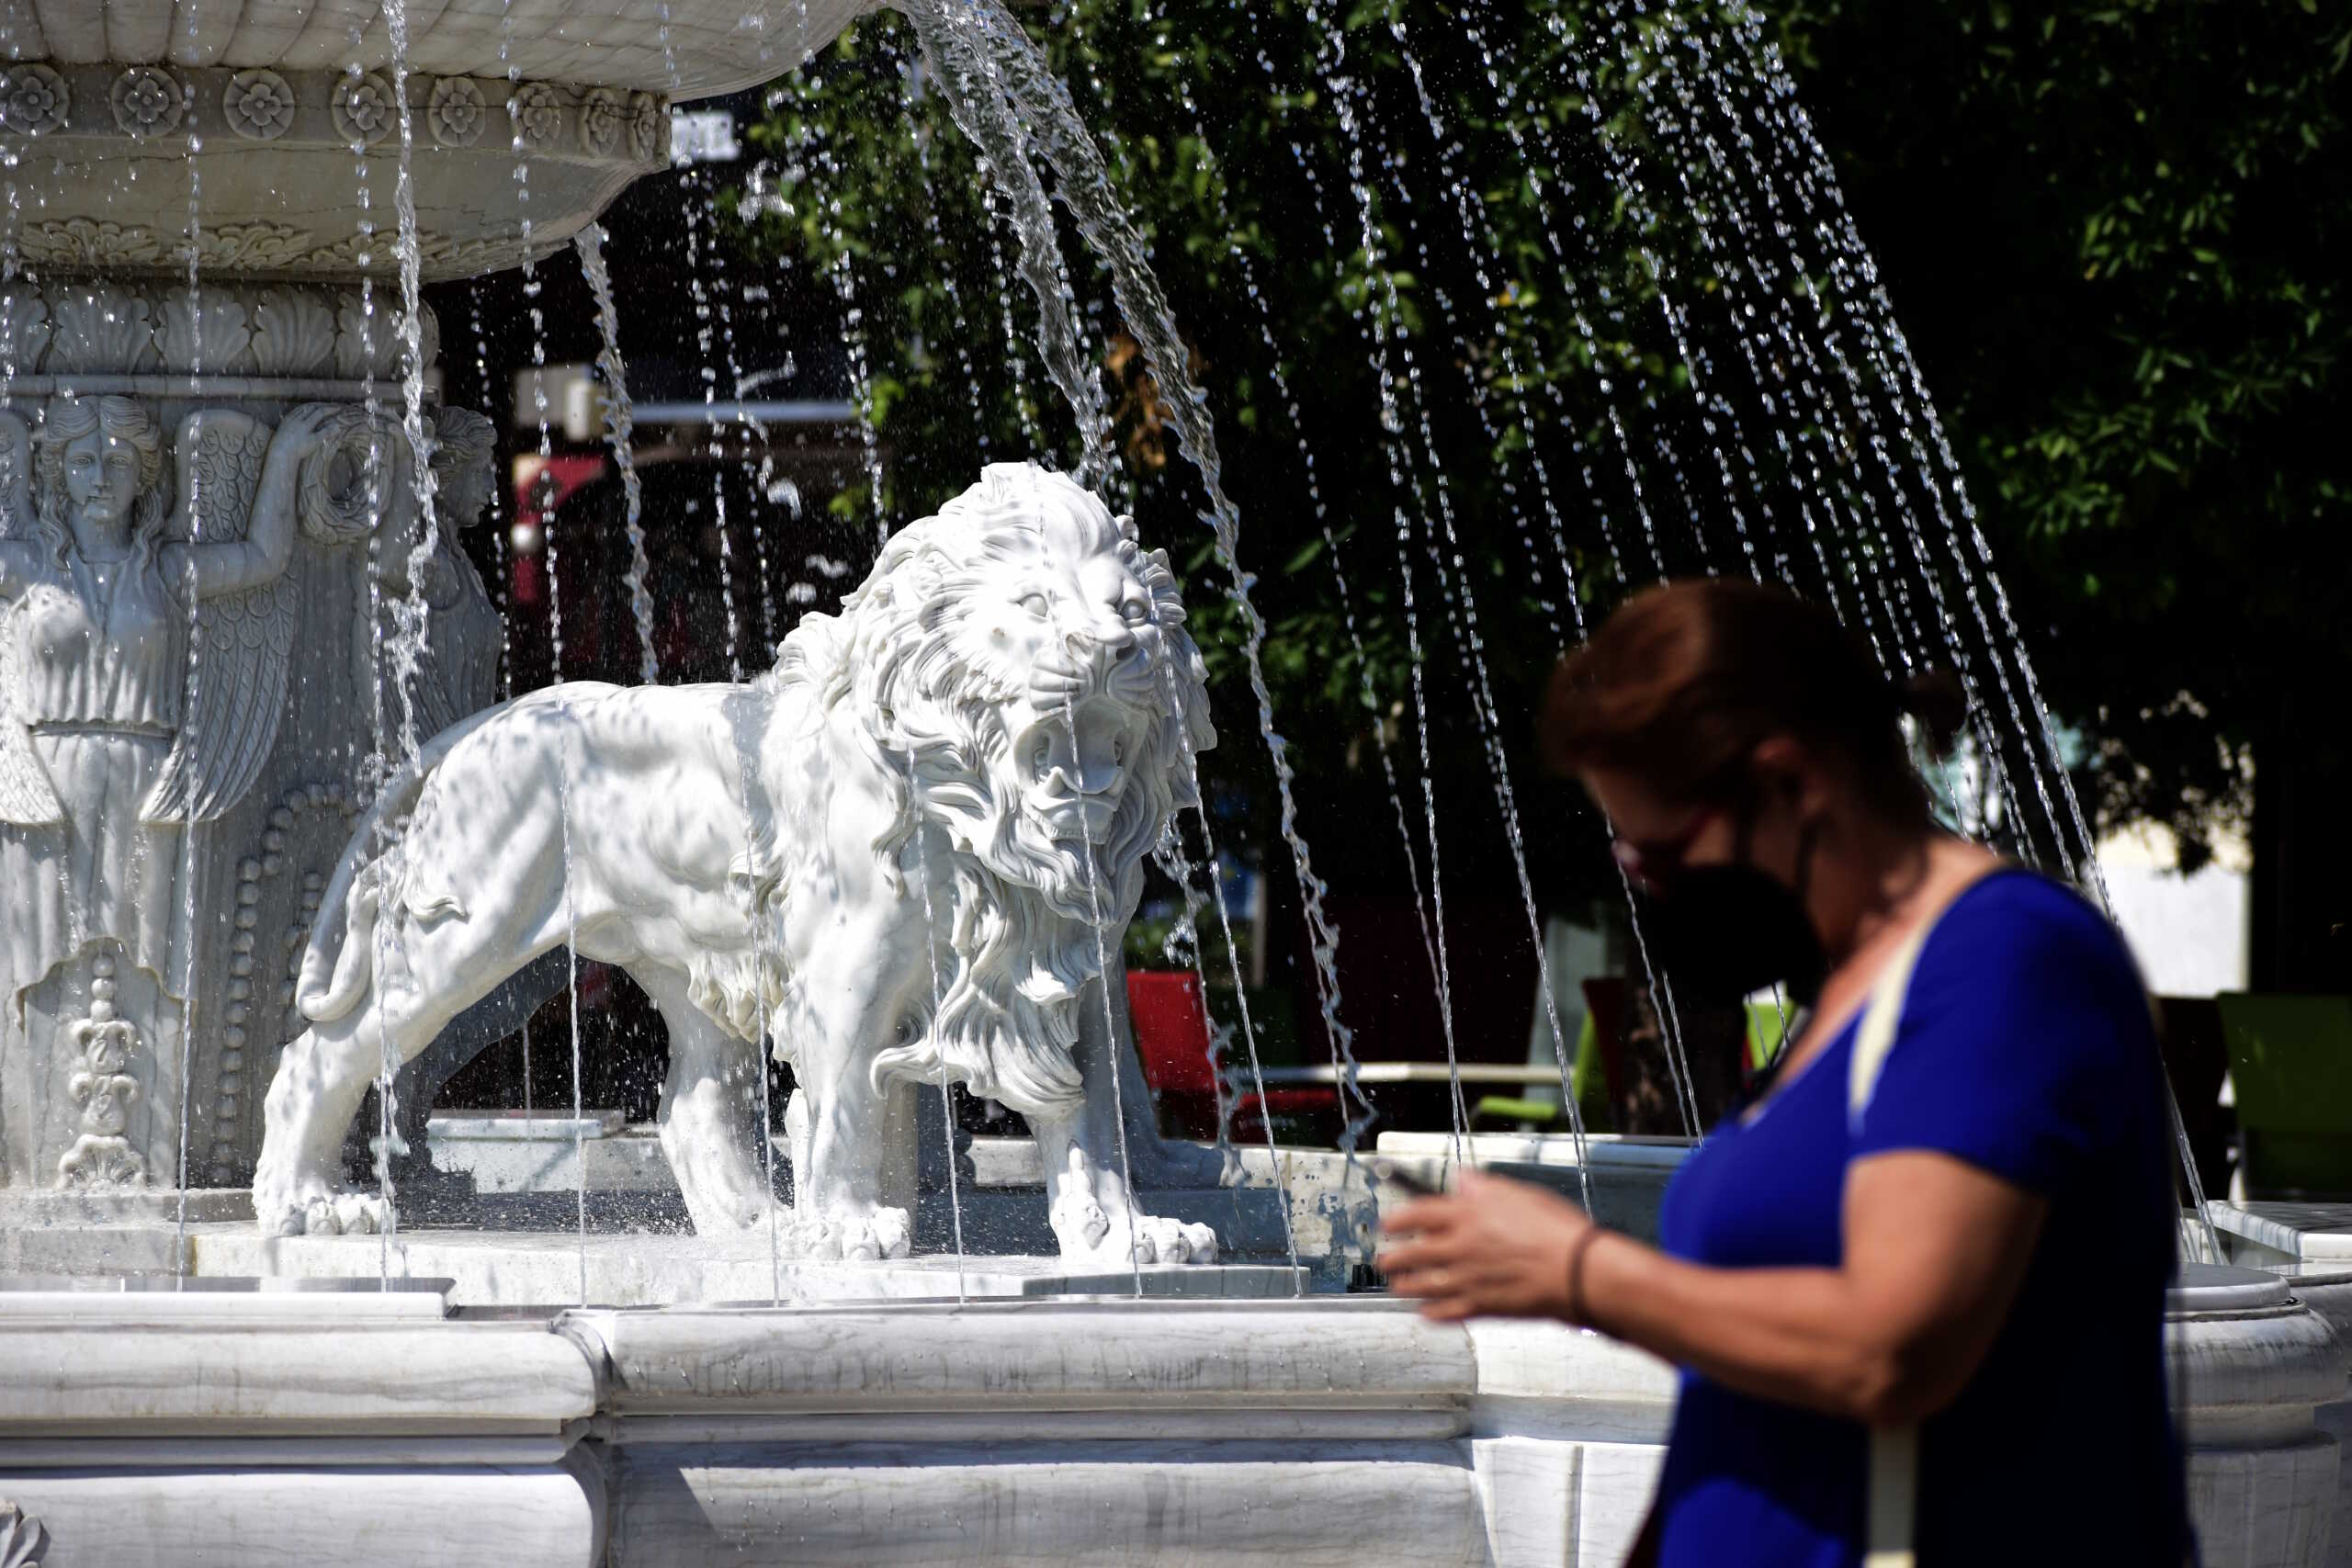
(1875, 1037)
(1889, 1520)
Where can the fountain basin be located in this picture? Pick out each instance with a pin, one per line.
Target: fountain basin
(280, 96)
(1319, 1430)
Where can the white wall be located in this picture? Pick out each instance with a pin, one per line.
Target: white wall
(2190, 932)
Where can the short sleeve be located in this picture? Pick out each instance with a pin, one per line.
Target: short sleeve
(2025, 1043)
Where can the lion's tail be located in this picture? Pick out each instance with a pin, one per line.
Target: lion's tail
(335, 976)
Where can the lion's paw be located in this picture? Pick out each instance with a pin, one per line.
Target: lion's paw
(1161, 1240)
(325, 1213)
(866, 1237)
(1088, 1234)
(1079, 1225)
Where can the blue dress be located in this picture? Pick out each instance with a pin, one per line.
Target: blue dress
(2025, 1048)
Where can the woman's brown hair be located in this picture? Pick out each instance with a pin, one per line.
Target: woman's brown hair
(1679, 686)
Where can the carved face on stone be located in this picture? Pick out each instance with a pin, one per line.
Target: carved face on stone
(94, 457)
(464, 466)
(102, 483)
(465, 494)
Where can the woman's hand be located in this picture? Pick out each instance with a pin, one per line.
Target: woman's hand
(1493, 1249)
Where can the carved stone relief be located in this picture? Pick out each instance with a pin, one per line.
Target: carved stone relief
(219, 329)
(259, 104)
(103, 1093)
(163, 812)
(23, 1541)
(147, 102)
(455, 111)
(94, 1103)
(363, 109)
(34, 100)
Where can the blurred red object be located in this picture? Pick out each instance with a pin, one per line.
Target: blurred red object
(1170, 1021)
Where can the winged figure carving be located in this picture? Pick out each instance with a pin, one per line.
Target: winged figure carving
(27, 795)
(244, 640)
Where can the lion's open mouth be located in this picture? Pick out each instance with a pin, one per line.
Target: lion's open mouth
(1076, 764)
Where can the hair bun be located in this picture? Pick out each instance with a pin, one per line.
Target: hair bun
(1936, 698)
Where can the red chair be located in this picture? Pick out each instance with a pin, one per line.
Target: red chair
(1172, 1029)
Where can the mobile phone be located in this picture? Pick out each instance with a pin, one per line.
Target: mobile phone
(1388, 1170)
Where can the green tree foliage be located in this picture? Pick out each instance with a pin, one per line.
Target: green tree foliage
(2118, 232)
(1447, 270)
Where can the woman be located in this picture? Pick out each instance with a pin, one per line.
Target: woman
(1980, 1250)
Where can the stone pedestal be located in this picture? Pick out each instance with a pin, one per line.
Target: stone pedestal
(2309, 1247)
(2255, 1364)
(546, 1268)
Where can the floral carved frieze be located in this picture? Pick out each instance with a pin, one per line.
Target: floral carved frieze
(649, 128)
(140, 103)
(34, 99)
(364, 109)
(258, 105)
(601, 115)
(87, 242)
(299, 170)
(537, 112)
(455, 111)
(147, 102)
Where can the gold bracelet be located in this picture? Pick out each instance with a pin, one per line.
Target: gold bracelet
(1576, 1276)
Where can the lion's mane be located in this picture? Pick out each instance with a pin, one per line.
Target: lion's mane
(926, 701)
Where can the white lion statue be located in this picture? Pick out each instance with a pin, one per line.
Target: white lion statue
(906, 850)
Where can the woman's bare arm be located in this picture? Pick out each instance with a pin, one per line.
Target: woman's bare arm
(1935, 1251)
(231, 566)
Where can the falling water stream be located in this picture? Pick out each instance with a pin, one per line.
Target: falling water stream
(1008, 81)
(844, 273)
(188, 830)
(1429, 909)
(1003, 142)
(746, 737)
(619, 425)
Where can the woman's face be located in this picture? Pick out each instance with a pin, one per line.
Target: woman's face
(1764, 829)
(1659, 836)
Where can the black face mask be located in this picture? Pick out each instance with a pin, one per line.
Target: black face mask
(1724, 932)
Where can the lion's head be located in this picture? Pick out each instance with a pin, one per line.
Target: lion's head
(1020, 671)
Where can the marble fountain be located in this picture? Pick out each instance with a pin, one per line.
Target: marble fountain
(263, 838)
